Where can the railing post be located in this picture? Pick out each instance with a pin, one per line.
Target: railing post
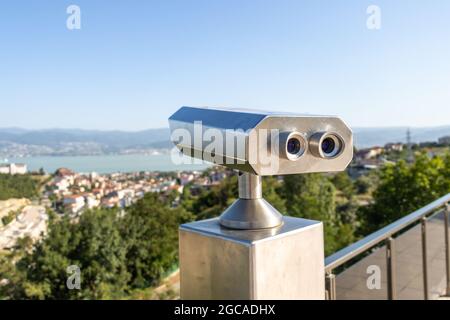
(447, 248)
(424, 257)
(391, 268)
(330, 286)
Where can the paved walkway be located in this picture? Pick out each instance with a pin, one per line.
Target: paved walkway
(170, 285)
(31, 222)
(352, 283)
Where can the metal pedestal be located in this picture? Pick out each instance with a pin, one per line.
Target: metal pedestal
(286, 262)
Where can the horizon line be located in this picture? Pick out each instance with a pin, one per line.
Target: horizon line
(165, 128)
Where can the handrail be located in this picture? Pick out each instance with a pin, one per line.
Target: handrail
(347, 253)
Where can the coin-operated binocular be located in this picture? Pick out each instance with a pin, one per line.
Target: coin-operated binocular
(256, 143)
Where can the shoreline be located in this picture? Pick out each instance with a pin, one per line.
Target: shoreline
(107, 164)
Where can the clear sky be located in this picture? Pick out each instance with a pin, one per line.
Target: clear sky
(133, 63)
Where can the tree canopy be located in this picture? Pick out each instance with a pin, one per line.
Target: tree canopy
(115, 254)
(313, 196)
(17, 186)
(404, 188)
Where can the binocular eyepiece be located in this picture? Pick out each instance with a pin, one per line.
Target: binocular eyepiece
(263, 143)
(325, 145)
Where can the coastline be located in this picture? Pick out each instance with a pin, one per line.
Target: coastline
(105, 164)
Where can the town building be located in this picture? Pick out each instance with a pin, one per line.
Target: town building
(13, 168)
(369, 153)
(394, 147)
(75, 192)
(73, 203)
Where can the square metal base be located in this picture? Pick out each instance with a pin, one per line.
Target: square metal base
(280, 263)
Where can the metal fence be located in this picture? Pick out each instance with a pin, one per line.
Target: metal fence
(412, 256)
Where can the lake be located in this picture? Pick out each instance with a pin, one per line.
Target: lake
(108, 163)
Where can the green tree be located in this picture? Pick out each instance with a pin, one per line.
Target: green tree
(8, 218)
(362, 185)
(344, 183)
(186, 198)
(272, 190)
(116, 254)
(150, 229)
(9, 275)
(211, 203)
(404, 188)
(17, 186)
(312, 196)
(94, 244)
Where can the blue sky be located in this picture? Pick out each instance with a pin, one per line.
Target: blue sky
(133, 63)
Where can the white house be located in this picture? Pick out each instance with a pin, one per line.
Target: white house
(74, 203)
(4, 169)
(125, 193)
(185, 178)
(61, 184)
(13, 168)
(91, 201)
(370, 153)
(394, 147)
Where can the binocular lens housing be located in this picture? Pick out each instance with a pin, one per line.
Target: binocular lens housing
(293, 145)
(326, 145)
(262, 142)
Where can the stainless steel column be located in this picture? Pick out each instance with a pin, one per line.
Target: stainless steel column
(391, 269)
(424, 257)
(330, 282)
(447, 248)
(250, 211)
(250, 186)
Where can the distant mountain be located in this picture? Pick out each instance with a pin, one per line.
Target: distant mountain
(22, 142)
(52, 137)
(13, 130)
(19, 142)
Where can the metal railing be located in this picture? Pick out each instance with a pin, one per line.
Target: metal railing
(386, 236)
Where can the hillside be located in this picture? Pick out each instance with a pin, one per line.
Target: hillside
(367, 137)
(71, 142)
